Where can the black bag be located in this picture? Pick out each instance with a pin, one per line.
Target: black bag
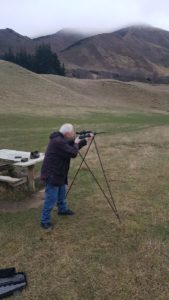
(11, 282)
(34, 154)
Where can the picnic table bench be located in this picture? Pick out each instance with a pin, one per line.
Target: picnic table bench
(12, 181)
(14, 158)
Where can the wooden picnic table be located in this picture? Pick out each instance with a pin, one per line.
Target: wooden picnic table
(15, 157)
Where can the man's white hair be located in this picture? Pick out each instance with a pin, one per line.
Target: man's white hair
(66, 128)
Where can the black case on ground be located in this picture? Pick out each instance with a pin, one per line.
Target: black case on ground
(11, 282)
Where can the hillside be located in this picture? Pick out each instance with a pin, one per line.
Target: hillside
(9, 39)
(16, 42)
(60, 40)
(133, 53)
(137, 53)
(31, 93)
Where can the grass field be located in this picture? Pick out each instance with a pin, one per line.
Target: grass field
(91, 255)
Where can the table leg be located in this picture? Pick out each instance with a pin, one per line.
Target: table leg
(31, 180)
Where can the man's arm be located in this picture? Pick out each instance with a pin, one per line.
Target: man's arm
(79, 142)
(65, 150)
(70, 149)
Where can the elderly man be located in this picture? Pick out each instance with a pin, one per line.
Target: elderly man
(61, 148)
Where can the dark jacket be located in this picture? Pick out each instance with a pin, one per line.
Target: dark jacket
(57, 158)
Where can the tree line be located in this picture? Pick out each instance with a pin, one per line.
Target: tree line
(44, 61)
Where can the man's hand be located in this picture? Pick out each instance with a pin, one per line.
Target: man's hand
(77, 140)
(88, 139)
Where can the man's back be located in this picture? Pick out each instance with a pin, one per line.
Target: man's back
(57, 159)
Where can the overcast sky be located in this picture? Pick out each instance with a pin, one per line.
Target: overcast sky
(40, 17)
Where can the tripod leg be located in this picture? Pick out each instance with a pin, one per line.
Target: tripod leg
(99, 185)
(108, 186)
(79, 167)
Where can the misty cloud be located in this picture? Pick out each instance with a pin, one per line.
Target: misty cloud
(40, 17)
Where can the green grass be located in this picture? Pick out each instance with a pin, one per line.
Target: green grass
(32, 132)
(90, 255)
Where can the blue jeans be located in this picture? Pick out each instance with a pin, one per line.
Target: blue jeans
(54, 195)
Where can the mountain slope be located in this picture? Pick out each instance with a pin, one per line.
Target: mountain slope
(135, 53)
(9, 39)
(139, 53)
(60, 40)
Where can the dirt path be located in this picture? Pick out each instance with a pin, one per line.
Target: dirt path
(34, 201)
